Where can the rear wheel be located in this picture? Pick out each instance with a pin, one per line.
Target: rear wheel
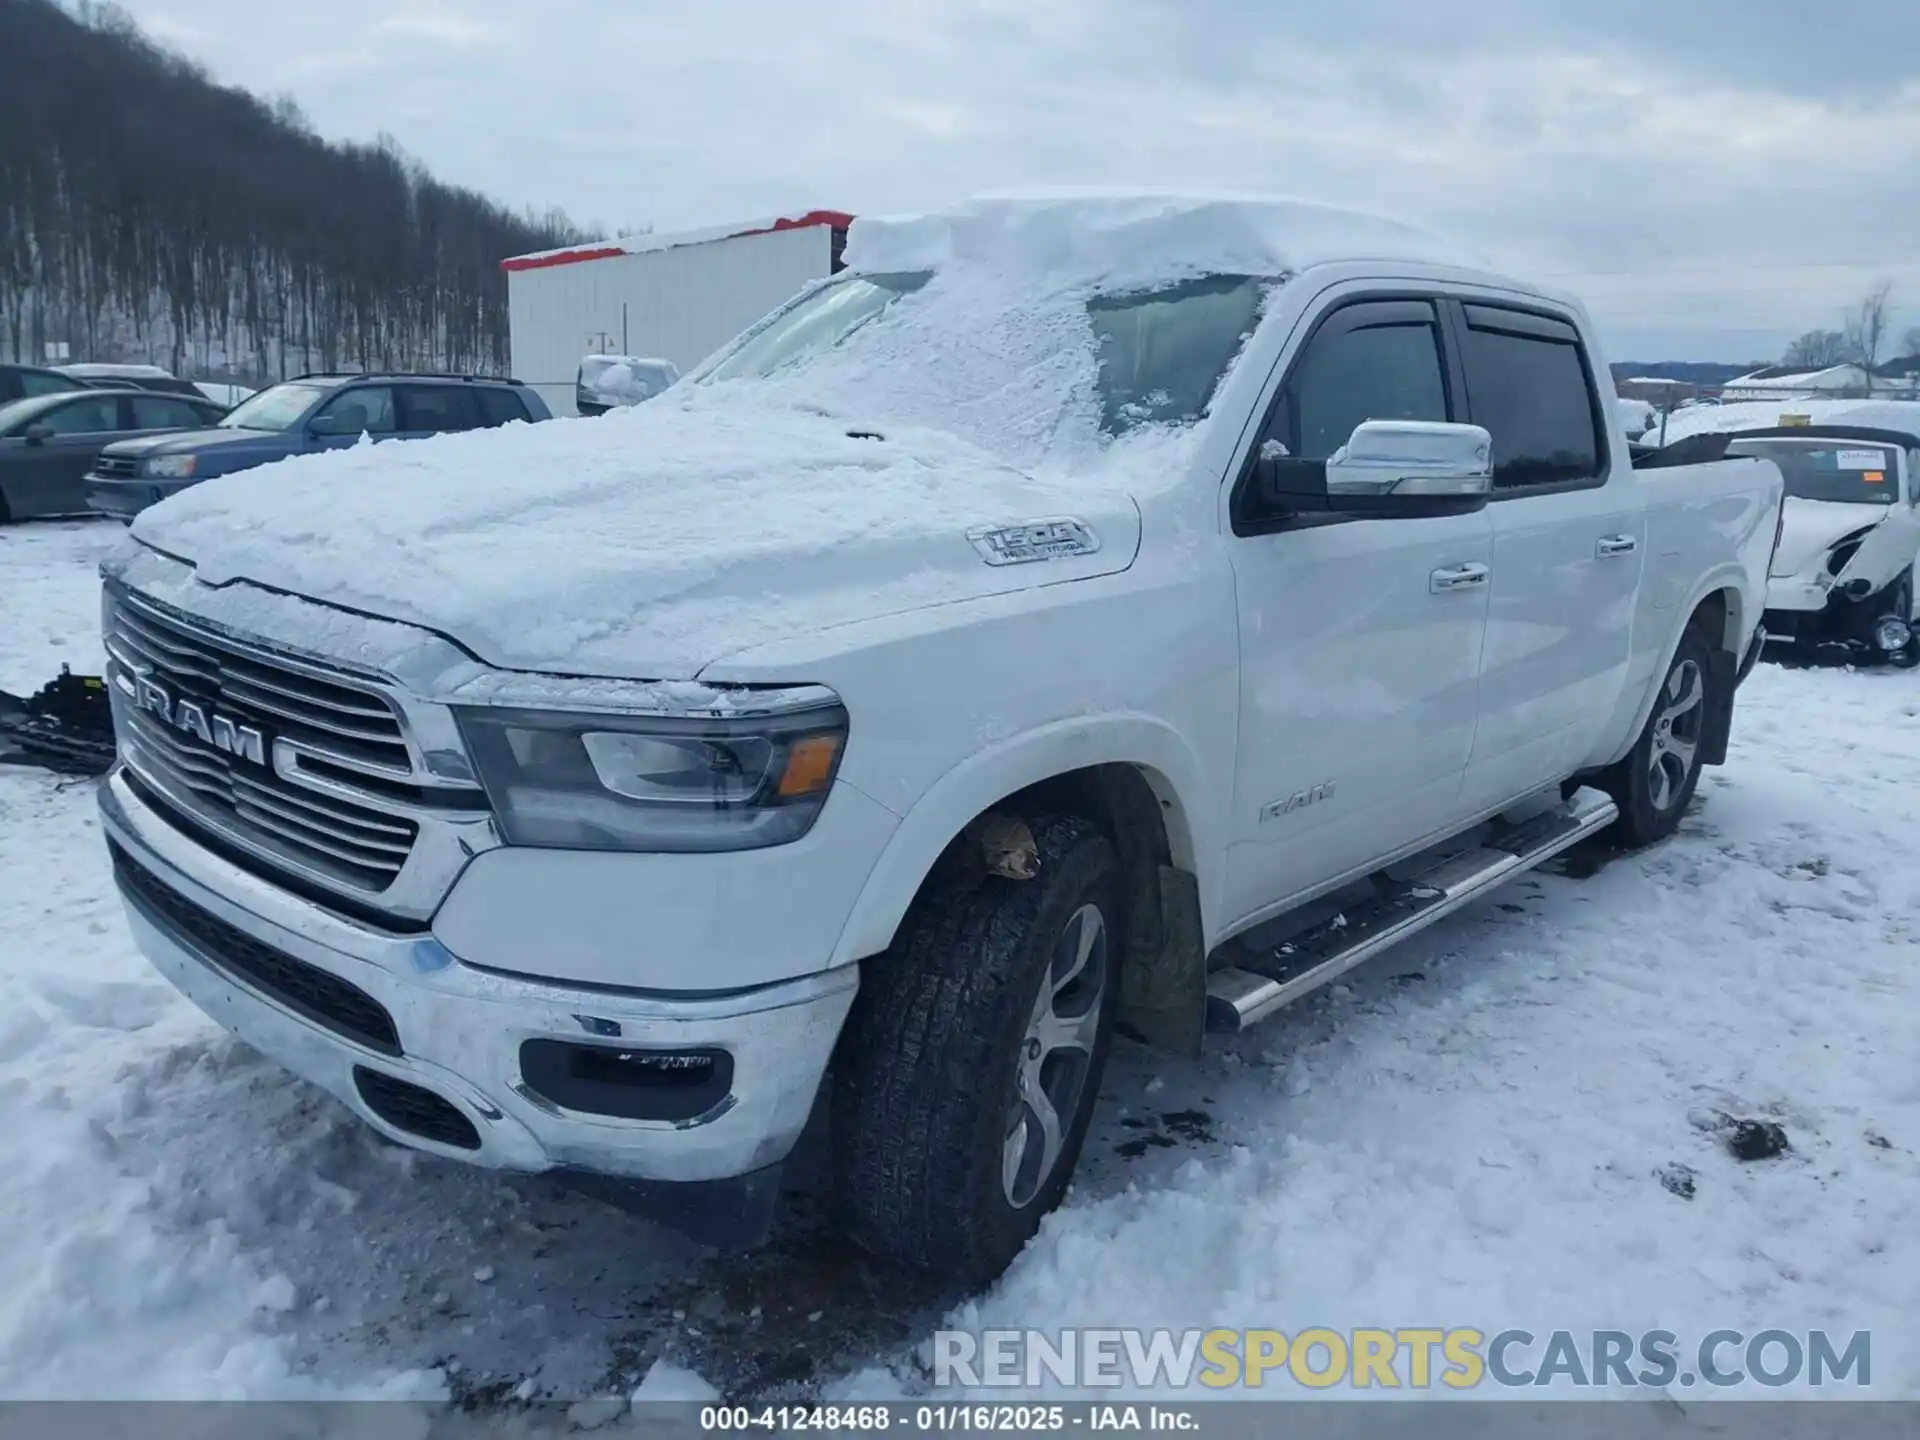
(972, 1059)
(1656, 780)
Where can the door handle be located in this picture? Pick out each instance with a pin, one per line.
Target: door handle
(1615, 545)
(1458, 577)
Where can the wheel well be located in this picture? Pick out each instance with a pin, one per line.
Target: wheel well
(1164, 970)
(1717, 619)
(1717, 616)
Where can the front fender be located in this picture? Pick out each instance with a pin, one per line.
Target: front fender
(1161, 753)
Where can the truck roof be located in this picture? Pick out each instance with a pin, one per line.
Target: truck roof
(1117, 238)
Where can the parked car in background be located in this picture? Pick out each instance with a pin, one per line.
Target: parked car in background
(1844, 573)
(138, 377)
(48, 443)
(19, 382)
(314, 412)
(611, 382)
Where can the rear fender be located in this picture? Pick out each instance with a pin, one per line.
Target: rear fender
(1727, 645)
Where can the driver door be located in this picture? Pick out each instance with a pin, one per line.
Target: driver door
(1360, 640)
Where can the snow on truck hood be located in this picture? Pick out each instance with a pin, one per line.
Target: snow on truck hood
(647, 543)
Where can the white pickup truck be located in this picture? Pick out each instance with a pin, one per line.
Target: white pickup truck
(1029, 634)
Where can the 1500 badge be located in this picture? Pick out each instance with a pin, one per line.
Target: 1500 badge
(1056, 539)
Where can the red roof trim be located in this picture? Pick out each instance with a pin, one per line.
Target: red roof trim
(561, 257)
(838, 219)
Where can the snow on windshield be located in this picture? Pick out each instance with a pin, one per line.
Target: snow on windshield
(1026, 375)
(1041, 328)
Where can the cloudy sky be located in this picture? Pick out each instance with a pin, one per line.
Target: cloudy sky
(1713, 175)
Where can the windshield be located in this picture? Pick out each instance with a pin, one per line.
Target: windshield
(274, 409)
(818, 322)
(1162, 352)
(1853, 472)
(1151, 357)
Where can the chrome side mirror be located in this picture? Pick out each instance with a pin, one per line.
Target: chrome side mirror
(1387, 470)
(1411, 457)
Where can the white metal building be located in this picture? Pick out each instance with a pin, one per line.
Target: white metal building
(675, 297)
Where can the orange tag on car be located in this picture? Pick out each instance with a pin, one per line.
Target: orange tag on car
(1874, 477)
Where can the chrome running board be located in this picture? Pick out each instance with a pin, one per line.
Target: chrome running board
(1238, 997)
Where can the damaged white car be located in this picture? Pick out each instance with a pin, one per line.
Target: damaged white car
(1850, 536)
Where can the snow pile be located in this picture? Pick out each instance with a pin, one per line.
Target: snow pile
(1064, 239)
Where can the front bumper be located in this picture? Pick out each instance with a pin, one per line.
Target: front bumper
(1817, 612)
(457, 1032)
(125, 498)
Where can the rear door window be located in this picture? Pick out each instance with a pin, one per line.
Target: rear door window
(165, 412)
(98, 415)
(434, 409)
(1528, 386)
(38, 382)
(365, 409)
(498, 406)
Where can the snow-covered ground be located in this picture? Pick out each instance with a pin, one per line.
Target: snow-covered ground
(1475, 1131)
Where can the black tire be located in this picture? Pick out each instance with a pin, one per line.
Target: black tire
(1651, 805)
(931, 1064)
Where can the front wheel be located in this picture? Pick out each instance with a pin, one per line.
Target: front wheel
(1653, 784)
(972, 1058)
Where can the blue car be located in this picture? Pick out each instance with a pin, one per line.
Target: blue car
(296, 417)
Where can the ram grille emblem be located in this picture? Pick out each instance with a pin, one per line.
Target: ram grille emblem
(209, 727)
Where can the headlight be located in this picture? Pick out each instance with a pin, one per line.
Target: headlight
(171, 467)
(654, 783)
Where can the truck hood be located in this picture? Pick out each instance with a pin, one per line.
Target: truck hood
(1808, 529)
(647, 543)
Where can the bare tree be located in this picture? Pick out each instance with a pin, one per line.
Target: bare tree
(1817, 349)
(1867, 327)
(191, 223)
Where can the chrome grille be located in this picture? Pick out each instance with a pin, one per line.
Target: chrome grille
(116, 467)
(332, 800)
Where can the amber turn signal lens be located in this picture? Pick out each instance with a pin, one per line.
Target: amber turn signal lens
(809, 766)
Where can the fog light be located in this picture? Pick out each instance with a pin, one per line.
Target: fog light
(1892, 633)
